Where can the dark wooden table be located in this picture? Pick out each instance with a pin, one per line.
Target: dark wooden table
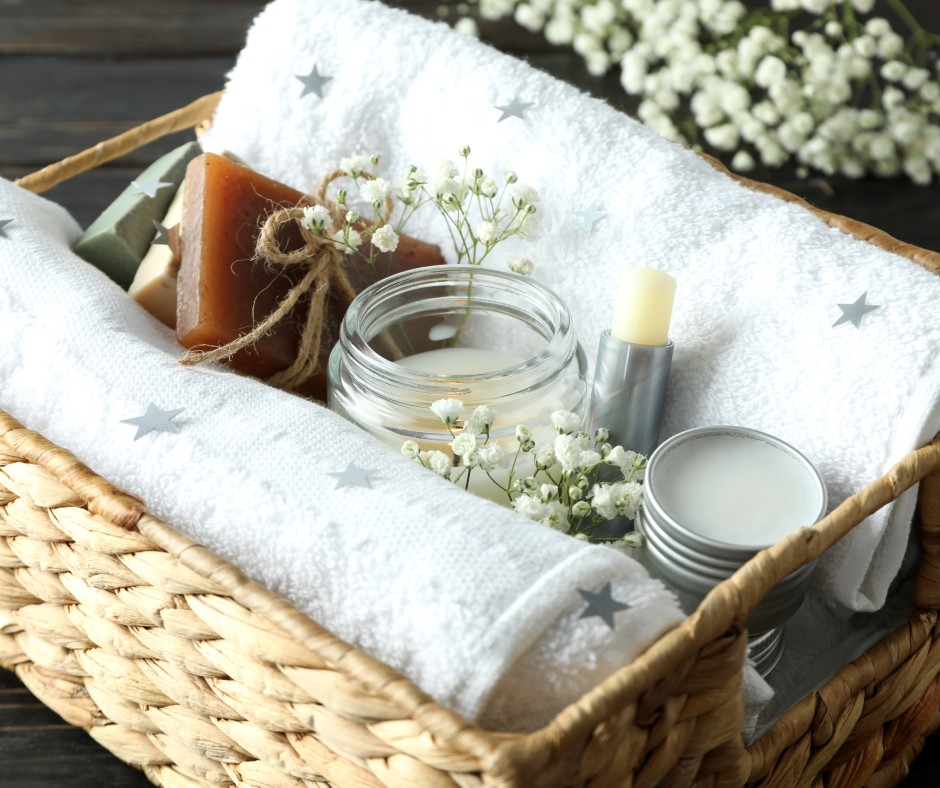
(75, 72)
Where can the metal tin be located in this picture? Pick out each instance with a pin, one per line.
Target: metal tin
(693, 563)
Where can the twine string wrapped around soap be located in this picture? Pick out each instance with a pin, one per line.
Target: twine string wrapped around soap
(324, 274)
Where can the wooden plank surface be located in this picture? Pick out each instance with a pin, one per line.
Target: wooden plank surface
(75, 72)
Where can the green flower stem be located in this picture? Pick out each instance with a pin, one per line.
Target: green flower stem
(449, 224)
(849, 21)
(505, 489)
(908, 18)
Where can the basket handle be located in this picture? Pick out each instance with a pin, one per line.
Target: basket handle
(735, 598)
(186, 117)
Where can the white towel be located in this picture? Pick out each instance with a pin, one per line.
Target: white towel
(759, 281)
(458, 593)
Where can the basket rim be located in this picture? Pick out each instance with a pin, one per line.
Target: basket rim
(723, 610)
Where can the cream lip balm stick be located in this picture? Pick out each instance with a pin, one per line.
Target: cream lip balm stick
(633, 361)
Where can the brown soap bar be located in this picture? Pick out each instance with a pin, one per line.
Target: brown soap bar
(223, 293)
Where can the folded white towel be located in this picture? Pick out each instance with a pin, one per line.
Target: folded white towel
(458, 593)
(759, 280)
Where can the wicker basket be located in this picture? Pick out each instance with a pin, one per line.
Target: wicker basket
(179, 665)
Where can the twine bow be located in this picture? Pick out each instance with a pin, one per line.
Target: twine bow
(324, 270)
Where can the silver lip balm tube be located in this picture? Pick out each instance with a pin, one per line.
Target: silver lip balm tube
(628, 398)
(629, 392)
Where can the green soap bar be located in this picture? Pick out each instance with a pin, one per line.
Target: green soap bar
(117, 240)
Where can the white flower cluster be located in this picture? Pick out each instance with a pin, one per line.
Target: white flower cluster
(808, 81)
(499, 210)
(453, 192)
(471, 446)
(349, 234)
(564, 491)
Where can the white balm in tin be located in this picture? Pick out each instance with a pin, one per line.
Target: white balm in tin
(738, 488)
(715, 496)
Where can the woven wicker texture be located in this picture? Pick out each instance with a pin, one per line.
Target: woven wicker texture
(177, 663)
(180, 665)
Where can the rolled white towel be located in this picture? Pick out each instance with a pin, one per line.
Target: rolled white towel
(450, 589)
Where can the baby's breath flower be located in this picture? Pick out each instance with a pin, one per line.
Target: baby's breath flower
(569, 450)
(555, 516)
(721, 60)
(492, 456)
(443, 187)
(581, 509)
(530, 506)
(520, 265)
(616, 456)
(488, 188)
(602, 501)
(439, 463)
(548, 492)
(316, 218)
(374, 190)
(445, 169)
(545, 457)
(480, 421)
(467, 26)
(385, 239)
(347, 240)
(771, 71)
(487, 232)
(525, 222)
(354, 165)
(464, 443)
(565, 421)
(620, 499)
(817, 7)
(523, 195)
(447, 410)
(633, 539)
(564, 491)
(588, 460)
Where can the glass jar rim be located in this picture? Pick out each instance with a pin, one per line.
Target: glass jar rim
(543, 303)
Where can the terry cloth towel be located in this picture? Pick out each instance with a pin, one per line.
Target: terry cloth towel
(477, 605)
(759, 281)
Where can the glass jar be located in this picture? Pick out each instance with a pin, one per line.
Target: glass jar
(481, 336)
(714, 497)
